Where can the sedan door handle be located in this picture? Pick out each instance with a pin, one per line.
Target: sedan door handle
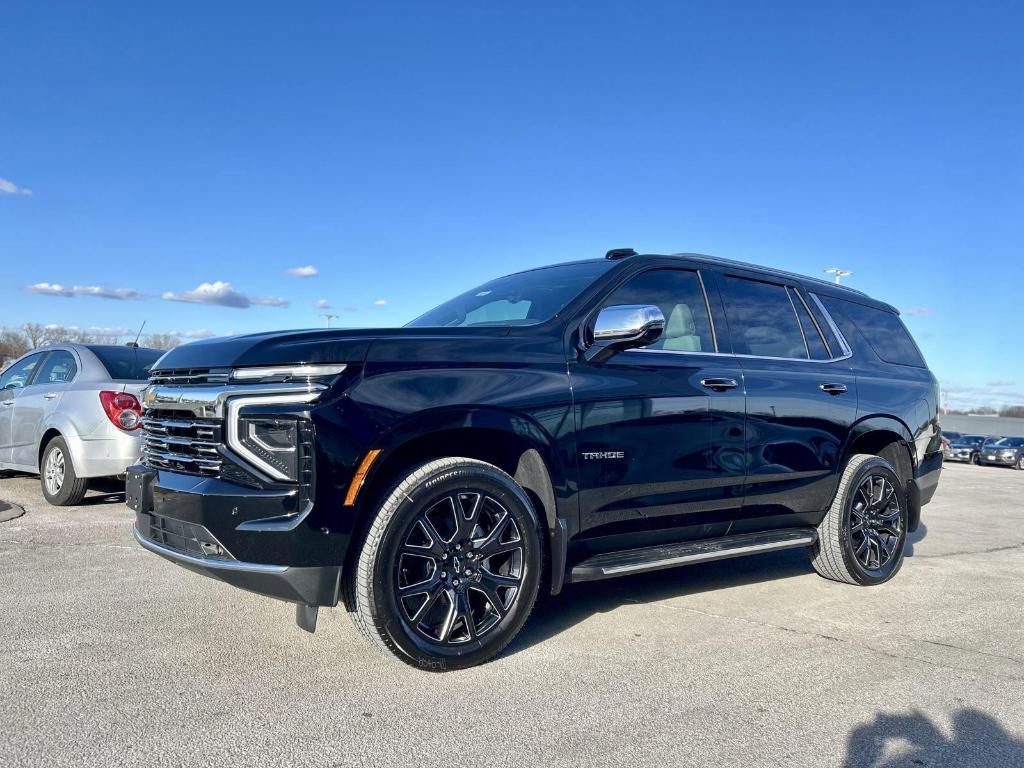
(833, 389)
(719, 385)
(51, 395)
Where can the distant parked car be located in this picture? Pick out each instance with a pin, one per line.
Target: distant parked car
(1005, 452)
(967, 448)
(71, 412)
(952, 436)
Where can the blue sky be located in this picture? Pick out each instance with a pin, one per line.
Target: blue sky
(408, 151)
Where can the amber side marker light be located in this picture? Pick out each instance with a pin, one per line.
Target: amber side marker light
(360, 476)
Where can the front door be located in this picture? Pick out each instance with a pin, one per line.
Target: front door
(801, 400)
(660, 429)
(12, 382)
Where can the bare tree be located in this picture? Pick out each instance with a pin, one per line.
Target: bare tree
(35, 334)
(13, 344)
(161, 341)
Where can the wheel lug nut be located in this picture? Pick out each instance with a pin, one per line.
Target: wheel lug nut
(458, 547)
(455, 582)
(444, 575)
(469, 571)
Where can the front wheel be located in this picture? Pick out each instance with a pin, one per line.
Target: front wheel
(62, 487)
(450, 568)
(975, 459)
(861, 539)
(1020, 462)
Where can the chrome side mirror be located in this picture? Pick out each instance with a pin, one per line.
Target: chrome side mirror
(625, 326)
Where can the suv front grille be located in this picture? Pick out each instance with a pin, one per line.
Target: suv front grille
(190, 376)
(179, 442)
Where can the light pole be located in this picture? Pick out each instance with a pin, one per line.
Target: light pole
(839, 273)
(328, 317)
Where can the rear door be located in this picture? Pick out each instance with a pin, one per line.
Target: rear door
(660, 429)
(37, 401)
(801, 398)
(12, 382)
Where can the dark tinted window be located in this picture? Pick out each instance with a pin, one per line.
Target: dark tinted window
(17, 375)
(1009, 442)
(762, 320)
(127, 362)
(59, 367)
(526, 298)
(884, 331)
(680, 297)
(815, 344)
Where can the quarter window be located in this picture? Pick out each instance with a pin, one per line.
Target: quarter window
(816, 348)
(762, 319)
(679, 295)
(884, 331)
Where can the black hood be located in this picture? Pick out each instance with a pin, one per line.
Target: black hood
(328, 345)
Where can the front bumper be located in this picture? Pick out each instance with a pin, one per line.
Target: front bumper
(259, 540)
(998, 460)
(312, 586)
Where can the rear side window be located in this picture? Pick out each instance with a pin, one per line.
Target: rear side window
(816, 348)
(882, 329)
(762, 319)
(128, 363)
(59, 367)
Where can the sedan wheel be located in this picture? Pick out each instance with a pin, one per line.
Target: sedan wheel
(53, 473)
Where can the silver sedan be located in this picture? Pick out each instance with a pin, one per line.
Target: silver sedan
(71, 412)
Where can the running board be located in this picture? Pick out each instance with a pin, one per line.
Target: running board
(628, 561)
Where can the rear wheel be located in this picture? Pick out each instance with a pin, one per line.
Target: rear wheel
(1020, 462)
(975, 458)
(61, 486)
(861, 539)
(449, 571)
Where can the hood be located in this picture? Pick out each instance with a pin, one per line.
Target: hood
(328, 345)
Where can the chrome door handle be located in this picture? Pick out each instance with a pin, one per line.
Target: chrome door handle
(7, 403)
(719, 385)
(833, 389)
(51, 395)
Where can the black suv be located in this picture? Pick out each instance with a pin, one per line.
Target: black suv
(570, 423)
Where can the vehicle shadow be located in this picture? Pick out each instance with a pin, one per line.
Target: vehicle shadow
(895, 741)
(104, 490)
(914, 538)
(577, 602)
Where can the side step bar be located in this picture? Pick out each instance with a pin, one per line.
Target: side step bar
(628, 561)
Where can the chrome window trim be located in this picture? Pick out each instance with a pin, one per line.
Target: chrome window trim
(847, 349)
(817, 327)
(222, 565)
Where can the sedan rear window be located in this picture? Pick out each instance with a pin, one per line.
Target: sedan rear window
(127, 363)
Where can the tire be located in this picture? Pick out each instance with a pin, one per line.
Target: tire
(61, 486)
(464, 613)
(1020, 462)
(975, 459)
(840, 552)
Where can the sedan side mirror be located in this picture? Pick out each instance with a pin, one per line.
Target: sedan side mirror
(626, 326)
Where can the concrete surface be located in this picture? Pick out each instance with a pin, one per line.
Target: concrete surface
(112, 656)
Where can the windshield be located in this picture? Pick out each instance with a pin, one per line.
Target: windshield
(131, 363)
(972, 439)
(1009, 442)
(526, 298)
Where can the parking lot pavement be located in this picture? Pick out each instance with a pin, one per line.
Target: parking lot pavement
(112, 656)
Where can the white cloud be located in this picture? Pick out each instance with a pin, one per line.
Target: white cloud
(916, 311)
(199, 333)
(308, 271)
(97, 291)
(321, 304)
(380, 303)
(10, 188)
(220, 293)
(51, 289)
(971, 396)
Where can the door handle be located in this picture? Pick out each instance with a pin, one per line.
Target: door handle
(833, 389)
(51, 395)
(719, 385)
(7, 403)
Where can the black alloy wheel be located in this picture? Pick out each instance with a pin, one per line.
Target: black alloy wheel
(460, 568)
(876, 522)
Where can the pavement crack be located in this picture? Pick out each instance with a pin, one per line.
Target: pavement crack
(970, 552)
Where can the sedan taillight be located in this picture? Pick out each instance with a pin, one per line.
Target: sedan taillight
(122, 409)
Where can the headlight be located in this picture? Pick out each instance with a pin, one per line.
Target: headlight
(279, 374)
(274, 440)
(1007, 454)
